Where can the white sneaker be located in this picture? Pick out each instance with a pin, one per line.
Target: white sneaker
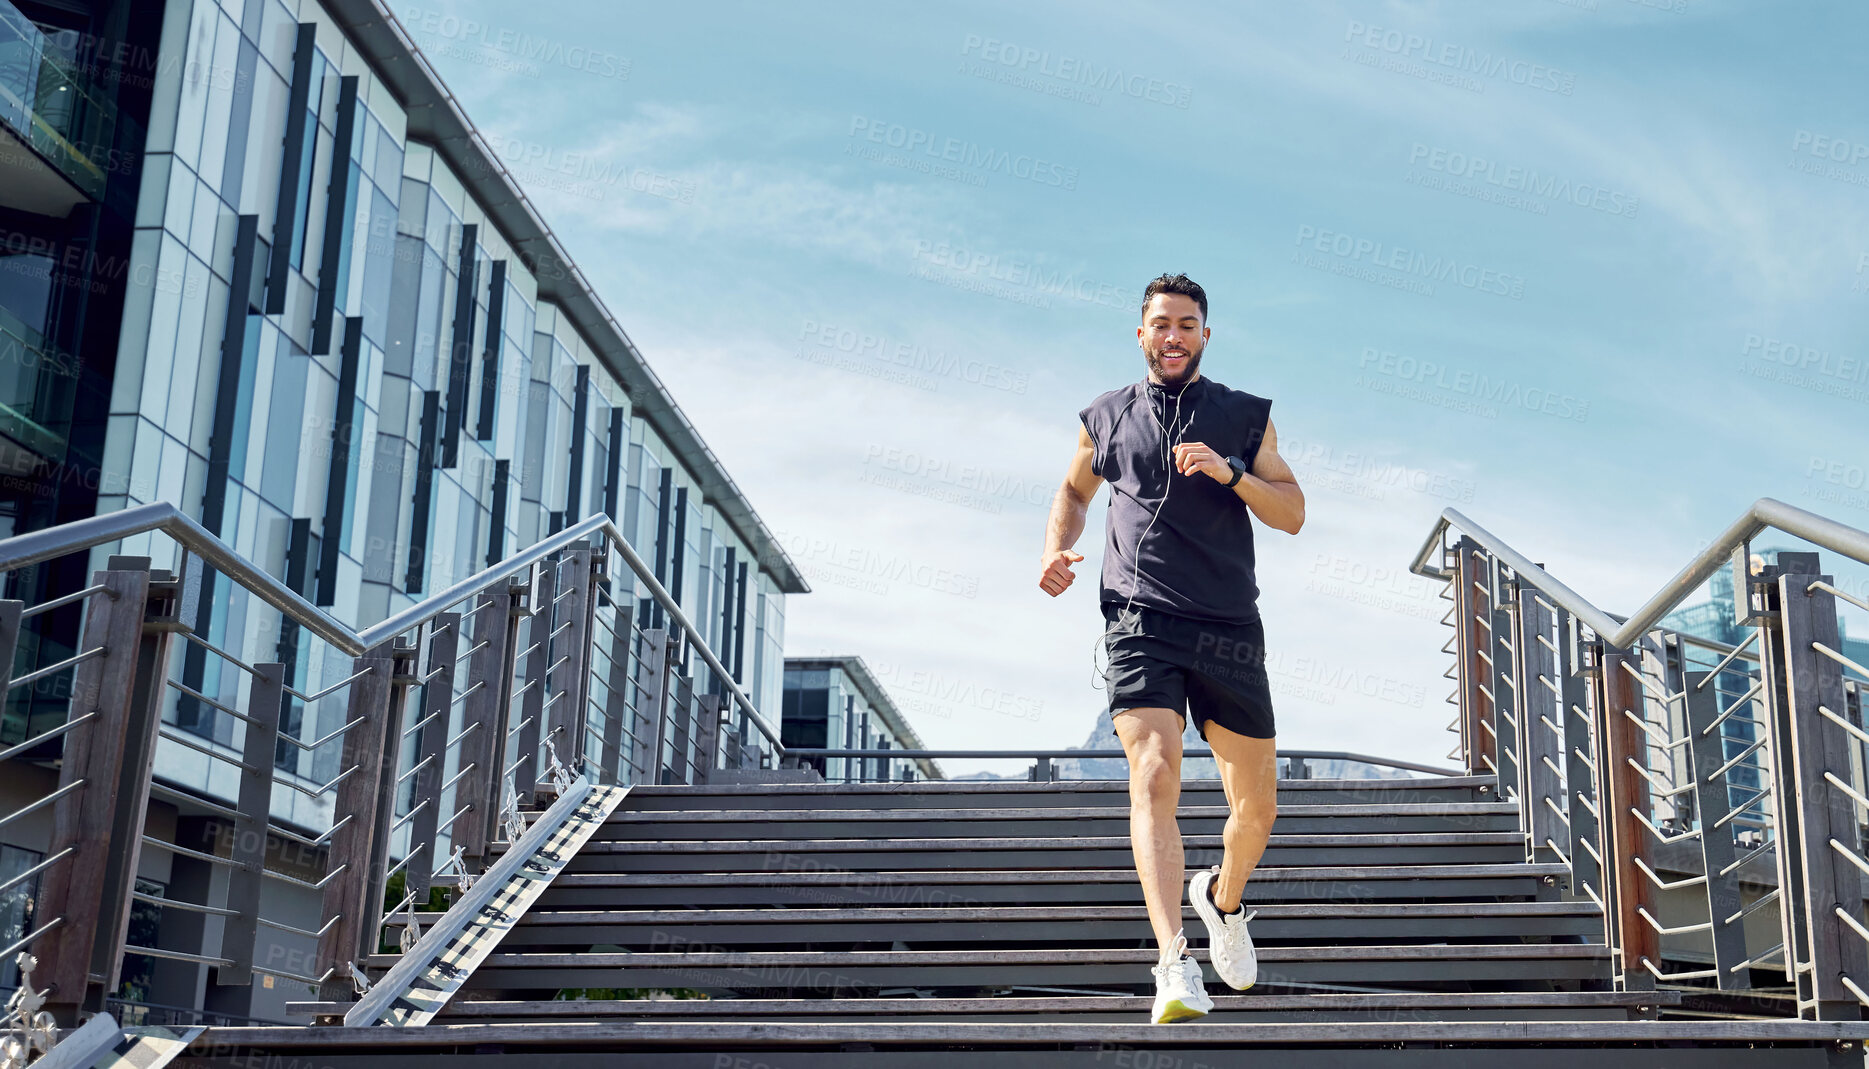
(1180, 993)
(1229, 946)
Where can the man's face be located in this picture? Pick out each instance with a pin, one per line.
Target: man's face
(1172, 337)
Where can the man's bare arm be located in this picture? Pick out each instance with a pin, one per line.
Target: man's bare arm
(1270, 489)
(1066, 523)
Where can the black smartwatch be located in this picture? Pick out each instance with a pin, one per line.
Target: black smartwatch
(1239, 469)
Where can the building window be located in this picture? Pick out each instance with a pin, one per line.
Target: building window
(16, 905)
(139, 970)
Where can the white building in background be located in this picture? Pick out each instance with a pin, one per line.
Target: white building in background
(838, 703)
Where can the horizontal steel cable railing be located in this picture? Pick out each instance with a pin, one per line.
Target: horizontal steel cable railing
(1297, 762)
(400, 751)
(1765, 513)
(459, 709)
(99, 682)
(39, 546)
(1635, 749)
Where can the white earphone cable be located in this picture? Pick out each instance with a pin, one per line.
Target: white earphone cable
(1176, 430)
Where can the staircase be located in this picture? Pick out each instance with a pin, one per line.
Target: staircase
(1442, 920)
(997, 922)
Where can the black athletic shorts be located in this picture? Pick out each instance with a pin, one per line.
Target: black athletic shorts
(1214, 671)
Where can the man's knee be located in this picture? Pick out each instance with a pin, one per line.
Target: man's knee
(1255, 813)
(1153, 780)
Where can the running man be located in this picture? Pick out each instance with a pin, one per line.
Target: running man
(1186, 459)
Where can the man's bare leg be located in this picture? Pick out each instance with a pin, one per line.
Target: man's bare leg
(1249, 776)
(1152, 740)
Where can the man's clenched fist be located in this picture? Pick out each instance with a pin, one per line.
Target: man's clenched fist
(1055, 571)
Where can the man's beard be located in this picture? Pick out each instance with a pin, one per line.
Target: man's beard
(1162, 375)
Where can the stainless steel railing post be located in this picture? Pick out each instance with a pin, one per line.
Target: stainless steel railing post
(107, 762)
(248, 848)
(572, 657)
(484, 722)
(1535, 668)
(1718, 853)
(708, 712)
(1477, 744)
(429, 770)
(538, 658)
(1624, 793)
(360, 822)
(1508, 725)
(659, 660)
(617, 710)
(1582, 794)
(1817, 821)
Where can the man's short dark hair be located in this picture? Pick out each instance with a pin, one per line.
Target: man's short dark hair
(1182, 284)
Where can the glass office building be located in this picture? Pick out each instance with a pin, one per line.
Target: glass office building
(73, 112)
(838, 702)
(255, 262)
(1713, 619)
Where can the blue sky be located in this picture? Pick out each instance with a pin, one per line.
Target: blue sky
(1595, 273)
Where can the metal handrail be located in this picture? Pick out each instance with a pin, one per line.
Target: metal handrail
(52, 542)
(1304, 755)
(37, 546)
(1765, 512)
(1662, 680)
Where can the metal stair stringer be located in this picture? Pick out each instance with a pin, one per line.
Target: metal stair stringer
(417, 987)
(102, 1043)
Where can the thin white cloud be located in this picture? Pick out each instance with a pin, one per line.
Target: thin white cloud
(783, 228)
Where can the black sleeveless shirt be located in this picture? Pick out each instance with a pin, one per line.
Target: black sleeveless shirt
(1197, 558)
